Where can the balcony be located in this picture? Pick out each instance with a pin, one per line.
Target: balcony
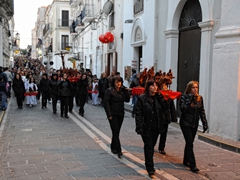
(6, 8)
(65, 46)
(64, 23)
(79, 24)
(87, 13)
(47, 29)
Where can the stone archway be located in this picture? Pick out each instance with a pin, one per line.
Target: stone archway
(172, 43)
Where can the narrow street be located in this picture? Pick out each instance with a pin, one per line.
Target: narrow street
(37, 144)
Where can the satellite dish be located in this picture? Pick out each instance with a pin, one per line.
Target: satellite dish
(107, 8)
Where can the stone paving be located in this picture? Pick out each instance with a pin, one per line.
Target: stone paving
(37, 144)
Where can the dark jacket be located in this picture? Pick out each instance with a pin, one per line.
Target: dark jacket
(82, 86)
(103, 85)
(18, 86)
(192, 109)
(114, 101)
(64, 88)
(135, 83)
(53, 86)
(44, 85)
(170, 115)
(145, 113)
(3, 89)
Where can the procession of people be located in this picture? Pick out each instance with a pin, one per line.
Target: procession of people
(152, 100)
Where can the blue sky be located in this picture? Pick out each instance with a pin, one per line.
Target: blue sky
(25, 16)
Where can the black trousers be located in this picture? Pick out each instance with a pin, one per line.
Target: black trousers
(101, 95)
(163, 138)
(71, 103)
(149, 143)
(45, 95)
(189, 134)
(39, 93)
(19, 97)
(54, 102)
(82, 101)
(64, 104)
(115, 125)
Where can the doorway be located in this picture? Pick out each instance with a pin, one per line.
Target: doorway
(189, 45)
(137, 62)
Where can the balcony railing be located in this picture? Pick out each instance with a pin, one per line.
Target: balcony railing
(64, 46)
(87, 13)
(64, 22)
(138, 6)
(47, 28)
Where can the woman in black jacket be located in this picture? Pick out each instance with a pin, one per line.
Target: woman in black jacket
(149, 120)
(53, 87)
(191, 105)
(44, 87)
(103, 84)
(114, 99)
(65, 87)
(82, 86)
(19, 89)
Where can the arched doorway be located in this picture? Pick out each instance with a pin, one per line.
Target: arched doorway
(189, 44)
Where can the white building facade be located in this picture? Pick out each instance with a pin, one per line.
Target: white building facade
(92, 19)
(56, 35)
(198, 40)
(6, 32)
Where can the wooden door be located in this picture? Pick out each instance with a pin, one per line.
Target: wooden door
(188, 57)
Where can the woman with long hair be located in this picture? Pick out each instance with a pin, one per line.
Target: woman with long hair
(82, 87)
(114, 99)
(19, 89)
(191, 106)
(149, 120)
(65, 87)
(53, 88)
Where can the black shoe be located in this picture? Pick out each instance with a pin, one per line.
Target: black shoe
(151, 174)
(114, 151)
(162, 152)
(120, 154)
(66, 116)
(42, 107)
(194, 169)
(186, 164)
(20, 107)
(54, 112)
(61, 115)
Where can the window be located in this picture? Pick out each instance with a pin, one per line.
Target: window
(138, 6)
(65, 18)
(64, 41)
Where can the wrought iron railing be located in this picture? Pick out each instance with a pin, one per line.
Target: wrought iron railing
(88, 11)
(64, 22)
(64, 46)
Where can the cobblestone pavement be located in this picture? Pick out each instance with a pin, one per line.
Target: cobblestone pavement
(37, 144)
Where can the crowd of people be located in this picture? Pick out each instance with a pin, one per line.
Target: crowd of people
(29, 80)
